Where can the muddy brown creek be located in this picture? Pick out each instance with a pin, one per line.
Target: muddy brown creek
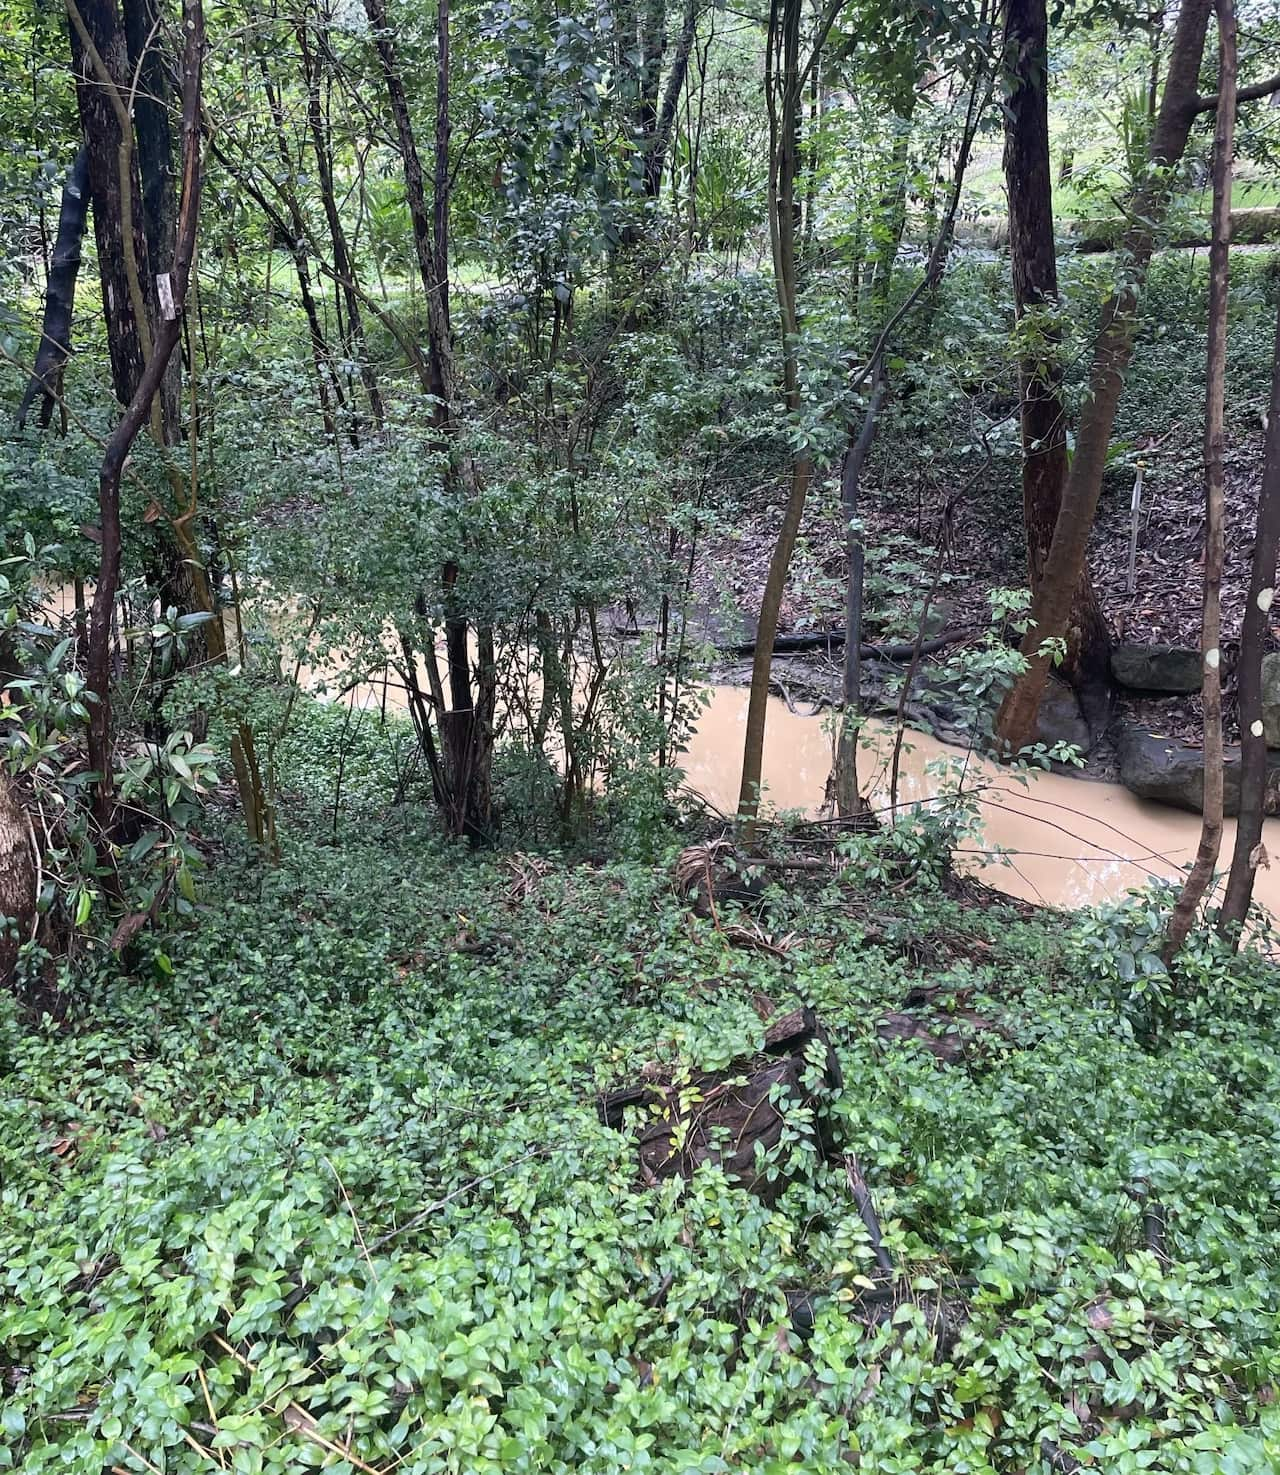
(1068, 842)
(1051, 839)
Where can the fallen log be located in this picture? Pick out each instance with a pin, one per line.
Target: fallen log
(1257, 225)
(821, 639)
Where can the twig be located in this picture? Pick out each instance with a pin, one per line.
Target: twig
(297, 1419)
(457, 1193)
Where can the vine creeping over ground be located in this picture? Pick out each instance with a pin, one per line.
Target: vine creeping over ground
(321, 1183)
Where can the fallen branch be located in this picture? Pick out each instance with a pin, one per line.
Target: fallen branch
(821, 639)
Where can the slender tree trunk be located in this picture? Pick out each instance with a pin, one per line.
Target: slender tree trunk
(328, 381)
(783, 91)
(466, 738)
(1035, 290)
(344, 269)
(656, 159)
(1253, 644)
(117, 215)
(1198, 882)
(136, 414)
(154, 148)
(17, 877)
(1051, 605)
(60, 294)
(849, 801)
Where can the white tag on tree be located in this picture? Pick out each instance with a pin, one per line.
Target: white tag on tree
(164, 290)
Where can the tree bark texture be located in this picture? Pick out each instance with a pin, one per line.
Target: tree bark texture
(1253, 644)
(136, 414)
(1052, 603)
(60, 294)
(1201, 876)
(1033, 256)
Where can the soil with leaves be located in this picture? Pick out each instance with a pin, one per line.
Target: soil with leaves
(940, 505)
(322, 1182)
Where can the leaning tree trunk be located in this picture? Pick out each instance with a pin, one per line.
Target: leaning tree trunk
(343, 265)
(1034, 261)
(655, 162)
(1198, 882)
(60, 294)
(1051, 605)
(17, 878)
(1253, 643)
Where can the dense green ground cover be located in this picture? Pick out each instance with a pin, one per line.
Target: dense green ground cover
(335, 1151)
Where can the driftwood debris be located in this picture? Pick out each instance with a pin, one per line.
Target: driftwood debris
(722, 1117)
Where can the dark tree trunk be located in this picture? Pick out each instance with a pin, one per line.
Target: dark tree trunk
(137, 411)
(1253, 644)
(153, 144)
(101, 126)
(1052, 603)
(466, 728)
(60, 294)
(1035, 290)
(656, 159)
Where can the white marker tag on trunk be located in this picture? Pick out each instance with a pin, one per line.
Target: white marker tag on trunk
(164, 290)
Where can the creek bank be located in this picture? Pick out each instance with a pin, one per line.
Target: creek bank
(1150, 763)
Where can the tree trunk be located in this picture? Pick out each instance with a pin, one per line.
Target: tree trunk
(656, 159)
(344, 270)
(1253, 644)
(60, 294)
(466, 728)
(154, 148)
(118, 231)
(1035, 291)
(783, 91)
(1198, 882)
(17, 878)
(137, 412)
(1051, 605)
(849, 800)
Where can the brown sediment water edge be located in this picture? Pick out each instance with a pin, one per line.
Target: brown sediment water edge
(1046, 837)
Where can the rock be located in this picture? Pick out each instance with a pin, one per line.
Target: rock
(1060, 718)
(1169, 772)
(1271, 699)
(1162, 668)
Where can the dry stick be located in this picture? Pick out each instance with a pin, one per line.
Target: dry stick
(457, 1193)
(1253, 637)
(298, 1419)
(1197, 883)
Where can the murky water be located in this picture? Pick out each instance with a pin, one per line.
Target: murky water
(1070, 842)
(1066, 842)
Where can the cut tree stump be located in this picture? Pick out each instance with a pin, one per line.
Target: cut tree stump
(722, 1117)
